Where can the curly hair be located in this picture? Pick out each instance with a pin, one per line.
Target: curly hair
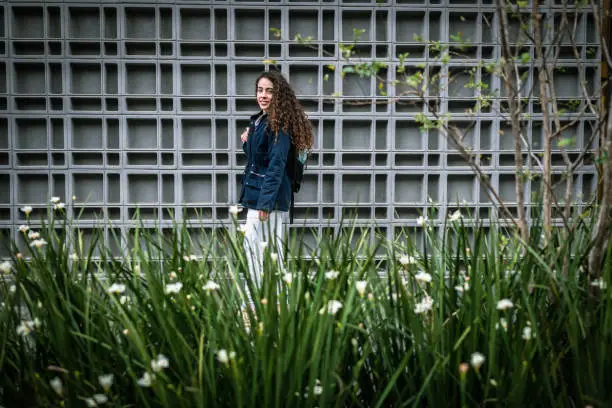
(287, 113)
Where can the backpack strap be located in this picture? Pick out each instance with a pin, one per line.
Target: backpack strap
(292, 207)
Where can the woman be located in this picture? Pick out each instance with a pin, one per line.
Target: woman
(279, 131)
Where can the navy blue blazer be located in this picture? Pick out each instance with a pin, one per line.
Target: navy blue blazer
(265, 183)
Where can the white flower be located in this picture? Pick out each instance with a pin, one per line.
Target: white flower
(24, 228)
(55, 200)
(317, 389)
(160, 363)
(288, 278)
(173, 287)
(90, 402)
(462, 288)
(600, 283)
(477, 359)
(6, 267)
(146, 380)
(242, 228)
(274, 256)
(172, 275)
(27, 209)
(33, 234)
(210, 286)
(74, 257)
(263, 245)
(234, 210)
(423, 277)
(456, 216)
(116, 288)
(27, 326)
(505, 304)
(38, 243)
(100, 398)
(422, 221)
(59, 206)
(424, 305)
(222, 356)
(361, 287)
(106, 380)
(332, 275)
(333, 306)
(527, 333)
(406, 260)
(503, 323)
(56, 384)
(13, 288)
(188, 258)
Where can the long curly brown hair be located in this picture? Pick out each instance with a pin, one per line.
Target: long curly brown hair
(287, 113)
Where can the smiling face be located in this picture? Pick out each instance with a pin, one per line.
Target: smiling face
(265, 93)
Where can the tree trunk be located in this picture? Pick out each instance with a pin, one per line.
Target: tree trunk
(514, 102)
(543, 80)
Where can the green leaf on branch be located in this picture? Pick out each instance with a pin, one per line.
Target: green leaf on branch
(276, 32)
(525, 58)
(567, 142)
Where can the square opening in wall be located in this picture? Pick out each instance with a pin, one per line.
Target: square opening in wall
(140, 79)
(462, 27)
(461, 83)
(303, 23)
(86, 78)
(197, 188)
(142, 133)
(32, 189)
(459, 188)
(88, 188)
(408, 135)
(84, 22)
(28, 22)
(304, 79)
(355, 85)
(409, 188)
(356, 134)
(31, 133)
(195, 80)
(142, 189)
(196, 134)
(356, 188)
(30, 78)
(356, 25)
(409, 26)
(140, 23)
(194, 24)
(249, 25)
(87, 133)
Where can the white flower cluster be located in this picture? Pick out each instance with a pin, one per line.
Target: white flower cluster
(332, 307)
(224, 357)
(424, 305)
(28, 326)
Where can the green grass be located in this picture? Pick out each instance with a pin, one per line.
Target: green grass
(384, 347)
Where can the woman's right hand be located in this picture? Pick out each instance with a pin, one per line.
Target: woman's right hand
(245, 135)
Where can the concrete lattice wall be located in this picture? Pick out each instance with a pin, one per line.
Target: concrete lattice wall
(128, 105)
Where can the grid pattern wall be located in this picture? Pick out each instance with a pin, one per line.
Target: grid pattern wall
(121, 107)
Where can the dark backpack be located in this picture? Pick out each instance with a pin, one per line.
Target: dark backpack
(296, 164)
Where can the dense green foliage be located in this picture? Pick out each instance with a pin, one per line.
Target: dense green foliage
(453, 315)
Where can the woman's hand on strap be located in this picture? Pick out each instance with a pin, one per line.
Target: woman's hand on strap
(263, 215)
(245, 135)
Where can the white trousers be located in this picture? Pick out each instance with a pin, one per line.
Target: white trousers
(259, 235)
